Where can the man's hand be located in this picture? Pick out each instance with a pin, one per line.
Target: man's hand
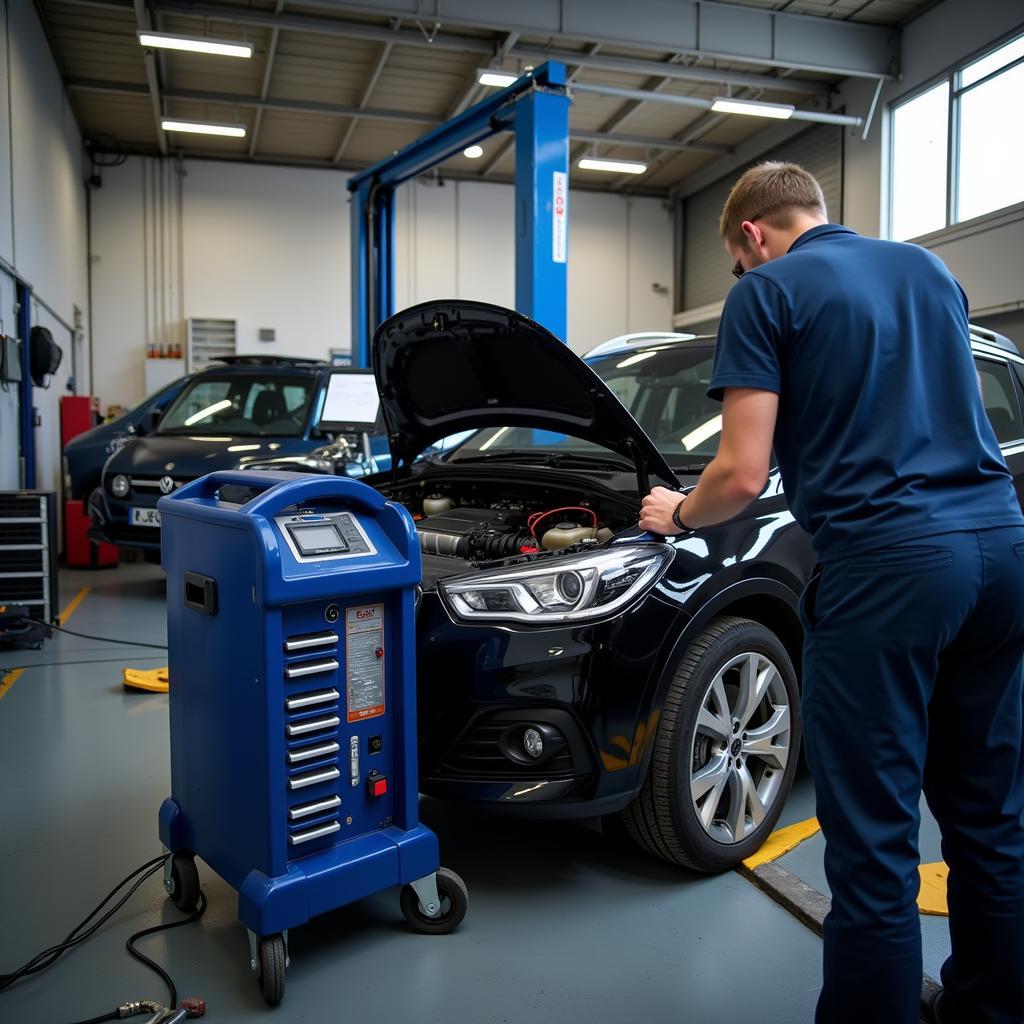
(657, 508)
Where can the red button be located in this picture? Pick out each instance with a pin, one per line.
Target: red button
(378, 785)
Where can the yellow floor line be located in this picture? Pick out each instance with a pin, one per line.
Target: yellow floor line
(75, 602)
(9, 680)
(782, 841)
(931, 899)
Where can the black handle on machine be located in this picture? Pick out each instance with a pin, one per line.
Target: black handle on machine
(201, 593)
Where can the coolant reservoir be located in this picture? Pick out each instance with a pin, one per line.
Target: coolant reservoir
(564, 534)
(434, 504)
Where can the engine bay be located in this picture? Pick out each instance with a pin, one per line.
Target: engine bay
(481, 522)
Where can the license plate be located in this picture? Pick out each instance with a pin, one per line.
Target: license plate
(145, 517)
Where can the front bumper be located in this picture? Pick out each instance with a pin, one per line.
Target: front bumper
(111, 522)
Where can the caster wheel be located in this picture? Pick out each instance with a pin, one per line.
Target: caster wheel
(271, 967)
(184, 891)
(454, 903)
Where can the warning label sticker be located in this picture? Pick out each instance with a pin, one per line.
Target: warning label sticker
(364, 661)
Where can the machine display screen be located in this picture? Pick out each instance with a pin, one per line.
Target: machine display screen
(318, 539)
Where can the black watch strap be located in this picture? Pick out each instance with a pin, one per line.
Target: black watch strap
(678, 522)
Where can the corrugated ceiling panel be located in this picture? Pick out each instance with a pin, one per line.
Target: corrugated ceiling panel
(125, 118)
(308, 135)
(214, 73)
(325, 69)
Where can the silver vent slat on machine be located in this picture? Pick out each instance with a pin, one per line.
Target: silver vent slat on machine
(312, 725)
(310, 641)
(316, 807)
(308, 700)
(314, 778)
(314, 833)
(311, 668)
(312, 753)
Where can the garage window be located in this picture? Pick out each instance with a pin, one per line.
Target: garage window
(1000, 397)
(953, 156)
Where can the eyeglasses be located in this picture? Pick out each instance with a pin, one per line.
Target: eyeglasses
(737, 267)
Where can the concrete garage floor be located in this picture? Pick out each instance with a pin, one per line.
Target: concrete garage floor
(564, 925)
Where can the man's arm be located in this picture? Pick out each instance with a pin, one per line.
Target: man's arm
(734, 477)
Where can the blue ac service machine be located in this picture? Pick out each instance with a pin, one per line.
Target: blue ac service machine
(291, 605)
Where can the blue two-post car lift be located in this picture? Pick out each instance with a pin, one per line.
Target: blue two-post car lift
(536, 108)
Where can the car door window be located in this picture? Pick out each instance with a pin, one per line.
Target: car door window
(999, 394)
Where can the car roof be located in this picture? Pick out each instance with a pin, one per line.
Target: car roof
(982, 339)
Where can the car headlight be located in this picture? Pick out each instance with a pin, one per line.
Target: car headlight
(120, 486)
(569, 589)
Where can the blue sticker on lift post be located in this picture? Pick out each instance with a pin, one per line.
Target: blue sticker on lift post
(364, 661)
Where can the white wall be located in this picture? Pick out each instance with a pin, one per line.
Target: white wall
(984, 255)
(45, 239)
(269, 247)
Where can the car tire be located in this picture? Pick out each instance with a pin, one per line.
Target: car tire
(694, 747)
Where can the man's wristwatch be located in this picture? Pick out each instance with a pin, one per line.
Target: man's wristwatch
(677, 521)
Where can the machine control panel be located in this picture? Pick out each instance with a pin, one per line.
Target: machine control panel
(320, 536)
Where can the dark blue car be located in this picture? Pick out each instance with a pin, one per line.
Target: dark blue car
(85, 455)
(248, 410)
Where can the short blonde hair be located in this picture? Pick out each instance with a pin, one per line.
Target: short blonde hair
(770, 191)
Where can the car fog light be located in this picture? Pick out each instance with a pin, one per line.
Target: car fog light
(119, 485)
(533, 743)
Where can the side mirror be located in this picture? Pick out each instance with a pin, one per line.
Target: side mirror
(149, 422)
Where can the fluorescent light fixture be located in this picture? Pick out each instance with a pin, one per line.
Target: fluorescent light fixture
(497, 79)
(203, 414)
(702, 433)
(782, 111)
(593, 163)
(195, 44)
(473, 152)
(638, 358)
(234, 131)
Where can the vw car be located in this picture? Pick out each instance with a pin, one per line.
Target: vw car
(85, 455)
(247, 409)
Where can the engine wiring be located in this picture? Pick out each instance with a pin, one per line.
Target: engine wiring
(536, 517)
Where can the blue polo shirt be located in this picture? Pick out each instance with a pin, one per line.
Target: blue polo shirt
(882, 436)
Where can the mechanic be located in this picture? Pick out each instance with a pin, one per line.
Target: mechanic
(851, 356)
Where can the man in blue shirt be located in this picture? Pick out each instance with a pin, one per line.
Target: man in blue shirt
(851, 358)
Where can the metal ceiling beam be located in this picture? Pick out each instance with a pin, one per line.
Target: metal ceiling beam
(254, 102)
(714, 30)
(820, 116)
(649, 142)
(152, 78)
(636, 66)
(382, 59)
(737, 34)
(268, 70)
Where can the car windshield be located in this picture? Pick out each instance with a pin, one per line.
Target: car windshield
(256, 405)
(665, 390)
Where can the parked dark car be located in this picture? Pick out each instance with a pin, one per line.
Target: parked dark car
(570, 665)
(247, 409)
(85, 455)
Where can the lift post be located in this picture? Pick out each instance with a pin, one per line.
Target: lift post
(536, 108)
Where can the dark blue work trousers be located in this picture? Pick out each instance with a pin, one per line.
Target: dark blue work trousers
(913, 679)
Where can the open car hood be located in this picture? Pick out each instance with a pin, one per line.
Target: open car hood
(450, 365)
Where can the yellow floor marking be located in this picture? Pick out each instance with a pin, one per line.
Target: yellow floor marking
(932, 897)
(75, 602)
(9, 680)
(782, 841)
